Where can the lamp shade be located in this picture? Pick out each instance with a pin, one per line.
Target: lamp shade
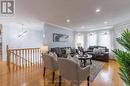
(44, 49)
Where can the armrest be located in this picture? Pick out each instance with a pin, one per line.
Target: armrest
(87, 68)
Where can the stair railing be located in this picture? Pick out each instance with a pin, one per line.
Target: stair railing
(23, 58)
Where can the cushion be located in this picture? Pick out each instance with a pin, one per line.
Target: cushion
(69, 57)
(96, 50)
(68, 50)
(74, 59)
(54, 55)
(102, 50)
(63, 50)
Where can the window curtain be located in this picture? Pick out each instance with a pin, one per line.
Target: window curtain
(99, 38)
(104, 39)
(91, 39)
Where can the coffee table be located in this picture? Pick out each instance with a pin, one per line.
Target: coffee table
(85, 58)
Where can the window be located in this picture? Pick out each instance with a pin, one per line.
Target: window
(79, 40)
(104, 39)
(99, 38)
(91, 39)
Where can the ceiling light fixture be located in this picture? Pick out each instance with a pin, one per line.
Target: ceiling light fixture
(23, 32)
(68, 20)
(82, 27)
(98, 10)
(105, 22)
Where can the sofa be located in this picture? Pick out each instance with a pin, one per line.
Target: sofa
(61, 51)
(102, 55)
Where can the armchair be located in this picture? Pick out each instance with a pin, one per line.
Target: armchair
(71, 71)
(50, 63)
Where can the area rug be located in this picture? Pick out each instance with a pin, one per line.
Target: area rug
(95, 68)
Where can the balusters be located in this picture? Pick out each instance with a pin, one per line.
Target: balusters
(34, 61)
(16, 60)
(39, 57)
(8, 57)
(36, 58)
(31, 57)
(20, 59)
(24, 58)
(13, 59)
(28, 57)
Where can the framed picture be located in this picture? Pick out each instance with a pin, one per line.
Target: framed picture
(60, 37)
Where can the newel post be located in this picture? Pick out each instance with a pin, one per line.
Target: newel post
(8, 57)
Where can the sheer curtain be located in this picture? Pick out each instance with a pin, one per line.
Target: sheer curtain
(91, 39)
(99, 38)
(79, 40)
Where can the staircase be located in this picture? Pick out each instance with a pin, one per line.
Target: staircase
(20, 62)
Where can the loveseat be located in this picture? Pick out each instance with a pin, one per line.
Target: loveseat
(99, 53)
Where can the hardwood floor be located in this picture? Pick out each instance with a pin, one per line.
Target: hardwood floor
(108, 76)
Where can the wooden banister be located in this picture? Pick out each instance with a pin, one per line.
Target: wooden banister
(8, 57)
(23, 58)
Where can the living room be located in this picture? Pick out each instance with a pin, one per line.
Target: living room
(68, 43)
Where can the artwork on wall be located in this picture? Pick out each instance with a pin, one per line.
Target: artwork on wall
(60, 37)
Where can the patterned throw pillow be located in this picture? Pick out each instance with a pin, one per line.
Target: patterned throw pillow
(96, 50)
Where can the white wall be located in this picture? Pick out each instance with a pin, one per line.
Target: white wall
(32, 39)
(36, 36)
(50, 29)
(118, 29)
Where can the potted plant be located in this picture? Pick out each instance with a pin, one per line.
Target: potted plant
(123, 57)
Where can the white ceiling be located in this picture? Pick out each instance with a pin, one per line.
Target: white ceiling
(80, 12)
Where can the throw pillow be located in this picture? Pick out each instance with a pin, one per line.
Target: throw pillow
(102, 50)
(75, 58)
(69, 57)
(95, 50)
(68, 50)
(54, 55)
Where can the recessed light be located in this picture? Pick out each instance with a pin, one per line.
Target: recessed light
(98, 10)
(82, 27)
(105, 22)
(68, 20)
